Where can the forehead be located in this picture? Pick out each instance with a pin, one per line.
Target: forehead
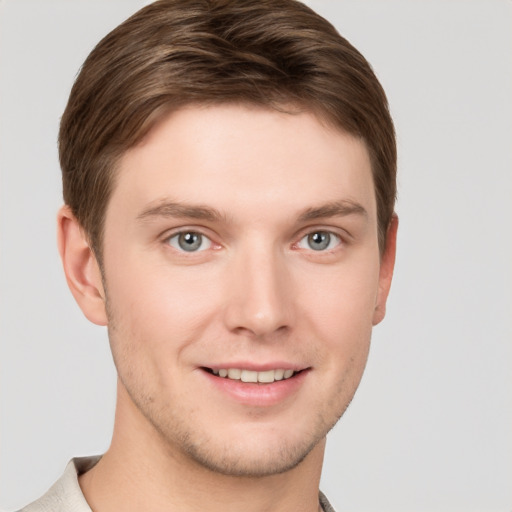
(236, 156)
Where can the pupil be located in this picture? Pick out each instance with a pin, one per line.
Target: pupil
(319, 240)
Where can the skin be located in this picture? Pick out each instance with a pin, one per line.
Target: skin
(254, 184)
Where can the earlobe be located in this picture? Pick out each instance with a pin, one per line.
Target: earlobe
(80, 267)
(387, 266)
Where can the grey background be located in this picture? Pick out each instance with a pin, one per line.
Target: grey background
(430, 428)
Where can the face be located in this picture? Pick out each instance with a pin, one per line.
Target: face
(243, 277)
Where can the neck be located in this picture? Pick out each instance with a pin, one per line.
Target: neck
(141, 471)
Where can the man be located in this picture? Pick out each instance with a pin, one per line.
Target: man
(229, 180)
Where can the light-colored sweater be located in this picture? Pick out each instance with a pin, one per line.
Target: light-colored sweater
(65, 494)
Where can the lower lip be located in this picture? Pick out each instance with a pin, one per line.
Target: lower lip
(257, 395)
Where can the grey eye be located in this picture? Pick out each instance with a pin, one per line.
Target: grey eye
(190, 241)
(319, 241)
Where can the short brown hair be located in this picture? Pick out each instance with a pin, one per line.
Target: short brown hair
(177, 52)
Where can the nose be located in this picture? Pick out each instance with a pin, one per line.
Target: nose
(260, 294)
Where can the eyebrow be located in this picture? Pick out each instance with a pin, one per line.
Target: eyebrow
(172, 209)
(333, 209)
(179, 210)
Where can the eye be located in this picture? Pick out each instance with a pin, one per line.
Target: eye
(190, 241)
(319, 241)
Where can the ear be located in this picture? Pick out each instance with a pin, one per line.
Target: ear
(387, 264)
(81, 267)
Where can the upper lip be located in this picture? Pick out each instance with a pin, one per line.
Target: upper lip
(257, 367)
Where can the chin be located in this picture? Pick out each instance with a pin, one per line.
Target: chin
(252, 450)
(239, 460)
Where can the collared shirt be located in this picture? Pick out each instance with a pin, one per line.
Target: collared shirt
(65, 494)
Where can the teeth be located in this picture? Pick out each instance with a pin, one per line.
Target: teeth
(234, 373)
(278, 374)
(266, 377)
(249, 376)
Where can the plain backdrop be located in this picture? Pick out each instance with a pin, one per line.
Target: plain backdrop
(430, 428)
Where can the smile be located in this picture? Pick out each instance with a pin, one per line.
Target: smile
(264, 377)
(257, 387)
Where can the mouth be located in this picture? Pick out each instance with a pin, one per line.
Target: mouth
(251, 376)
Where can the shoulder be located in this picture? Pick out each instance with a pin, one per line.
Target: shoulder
(65, 494)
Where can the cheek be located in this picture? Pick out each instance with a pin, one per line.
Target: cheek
(340, 313)
(153, 318)
(159, 304)
(343, 299)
